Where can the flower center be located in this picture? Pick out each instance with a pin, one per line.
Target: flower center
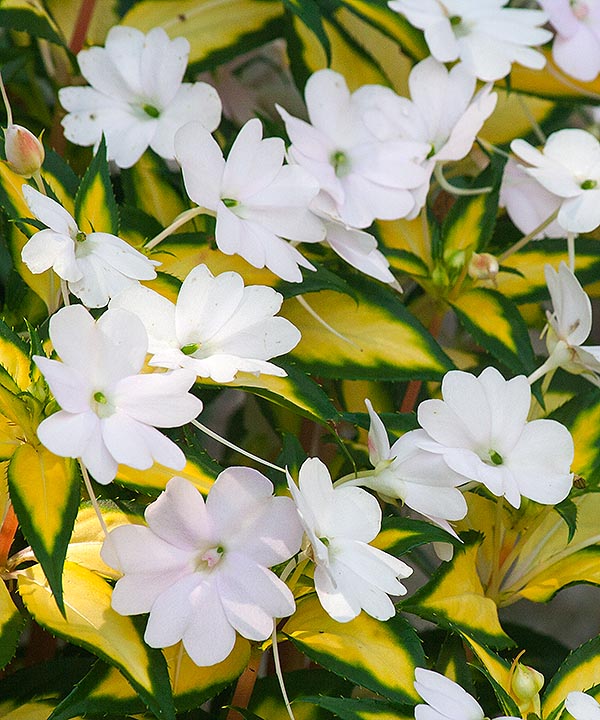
(190, 348)
(340, 162)
(210, 558)
(101, 406)
(580, 9)
(588, 184)
(151, 111)
(229, 202)
(455, 20)
(495, 457)
(80, 237)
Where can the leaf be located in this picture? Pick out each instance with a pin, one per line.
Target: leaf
(14, 358)
(495, 323)
(360, 709)
(200, 471)
(401, 535)
(208, 26)
(91, 623)
(454, 599)
(568, 512)
(579, 672)
(380, 339)
(11, 624)
(95, 205)
(309, 13)
(545, 83)
(512, 116)
(44, 490)
(30, 16)
(104, 690)
(381, 656)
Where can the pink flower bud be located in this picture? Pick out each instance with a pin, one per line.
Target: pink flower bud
(483, 266)
(24, 152)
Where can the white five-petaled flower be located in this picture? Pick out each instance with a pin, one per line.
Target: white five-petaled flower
(201, 569)
(570, 324)
(484, 35)
(361, 177)
(422, 480)
(480, 428)
(446, 700)
(109, 411)
(96, 265)
(582, 706)
(576, 46)
(257, 200)
(569, 167)
(137, 98)
(350, 574)
(217, 328)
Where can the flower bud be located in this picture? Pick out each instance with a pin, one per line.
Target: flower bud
(483, 266)
(526, 685)
(24, 152)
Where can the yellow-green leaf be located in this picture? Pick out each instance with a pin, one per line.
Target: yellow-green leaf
(359, 709)
(208, 26)
(11, 624)
(372, 336)
(454, 598)
(44, 490)
(512, 116)
(579, 672)
(95, 205)
(35, 710)
(14, 358)
(381, 656)
(91, 622)
(201, 474)
(31, 17)
(547, 83)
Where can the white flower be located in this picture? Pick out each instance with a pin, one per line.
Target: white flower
(361, 178)
(570, 325)
(576, 46)
(422, 480)
(109, 411)
(95, 265)
(350, 575)
(480, 428)
(484, 35)
(201, 569)
(582, 706)
(257, 200)
(528, 204)
(445, 699)
(218, 327)
(136, 98)
(568, 166)
(443, 113)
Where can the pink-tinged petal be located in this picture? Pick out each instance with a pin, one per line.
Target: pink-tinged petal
(136, 593)
(154, 310)
(162, 64)
(582, 706)
(338, 601)
(541, 461)
(98, 460)
(578, 56)
(581, 214)
(445, 696)
(173, 610)
(571, 305)
(209, 637)
(193, 103)
(202, 164)
(252, 596)
(379, 444)
(179, 516)
(49, 212)
(121, 256)
(66, 434)
(159, 399)
(48, 249)
(72, 390)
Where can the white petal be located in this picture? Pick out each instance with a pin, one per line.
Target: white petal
(379, 444)
(582, 706)
(162, 64)
(446, 696)
(202, 164)
(66, 434)
(571, 305)
(155, 311)
(49, 212)
(172, 611)
(48, 249)
(121, 256)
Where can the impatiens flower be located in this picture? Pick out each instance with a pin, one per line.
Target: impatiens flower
(109, 411)
(443, 113)
(361, 178)
(218, 327)
(570, 324)
(582, 706)
(569, 167)
(528, 204)
(480, 428)
(484, 35)
(201, 569)
(136, 98)
(420, 479)
(350, 574)
(445, 699)
(258, 201)
(576, 46)
(95, 265)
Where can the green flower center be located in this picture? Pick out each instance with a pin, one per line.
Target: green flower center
(496, 458)
(151, 111)
(588, 184)
(80, 237)
(455, 20)
(100, 397)
(190, 348)
(230, 202)
(341, 163)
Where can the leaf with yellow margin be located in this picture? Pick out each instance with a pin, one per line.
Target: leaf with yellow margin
(579, 672)
(95, 204)
(91, 622)
(30, 16)
(11, 624)
(545, 83)
(381, 656)
(14, 358)
(201, 472)
(360, 708)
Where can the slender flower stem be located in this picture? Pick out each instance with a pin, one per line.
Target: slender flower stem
(90, 491)
(180, 220)
(535, 126)
(279, 674)
(426, 237)
(64, 290)
(490, 147)
(571, 250)
(245, 685)
(177, 671)
(520, 244)
(452, 189)
(313, 313)
(82, 24)
(227, 443)
(9, 115)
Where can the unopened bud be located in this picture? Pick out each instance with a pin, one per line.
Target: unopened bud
(24, 152)
(526, 683)
(483, 266)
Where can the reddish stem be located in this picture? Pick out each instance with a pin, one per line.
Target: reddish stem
(7, 534)
(245, 686)
(82, 24)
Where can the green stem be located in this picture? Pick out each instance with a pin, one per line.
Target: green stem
(180, 220)
(527, 238)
